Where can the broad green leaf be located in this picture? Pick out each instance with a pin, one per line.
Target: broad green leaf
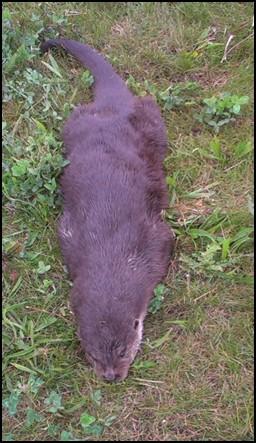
(33, 417)
(86, 420)
(95, 429)
(54, 402)
(67, 436)
(42, 268)
(236, 109)
(20, 168)
(8, 437)
(11, 403)
(87, 79)
(34, 383)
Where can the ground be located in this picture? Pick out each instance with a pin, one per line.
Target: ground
(192, 379)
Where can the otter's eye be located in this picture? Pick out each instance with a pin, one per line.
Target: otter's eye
(122, 354)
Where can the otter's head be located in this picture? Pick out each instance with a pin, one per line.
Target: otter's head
(110, 343)
(109, 312)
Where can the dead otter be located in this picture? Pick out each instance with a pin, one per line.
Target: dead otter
(113, 239)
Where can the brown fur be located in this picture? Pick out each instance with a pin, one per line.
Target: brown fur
(113, 239)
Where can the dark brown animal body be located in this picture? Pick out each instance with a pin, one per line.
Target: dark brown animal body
(114, 242)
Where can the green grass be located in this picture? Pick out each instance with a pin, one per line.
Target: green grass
(192, 379)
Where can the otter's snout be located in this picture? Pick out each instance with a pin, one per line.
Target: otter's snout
(111, 375)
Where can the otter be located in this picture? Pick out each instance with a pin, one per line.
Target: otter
(113, 239)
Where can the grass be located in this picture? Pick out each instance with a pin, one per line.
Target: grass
(192, 379)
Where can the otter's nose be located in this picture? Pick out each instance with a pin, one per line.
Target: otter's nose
(110, 375)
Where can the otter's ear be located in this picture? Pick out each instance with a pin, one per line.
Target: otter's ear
(136, 324)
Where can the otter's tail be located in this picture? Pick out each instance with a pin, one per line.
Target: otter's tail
(107, 82)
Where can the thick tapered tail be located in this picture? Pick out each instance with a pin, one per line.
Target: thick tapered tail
(107, 81)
